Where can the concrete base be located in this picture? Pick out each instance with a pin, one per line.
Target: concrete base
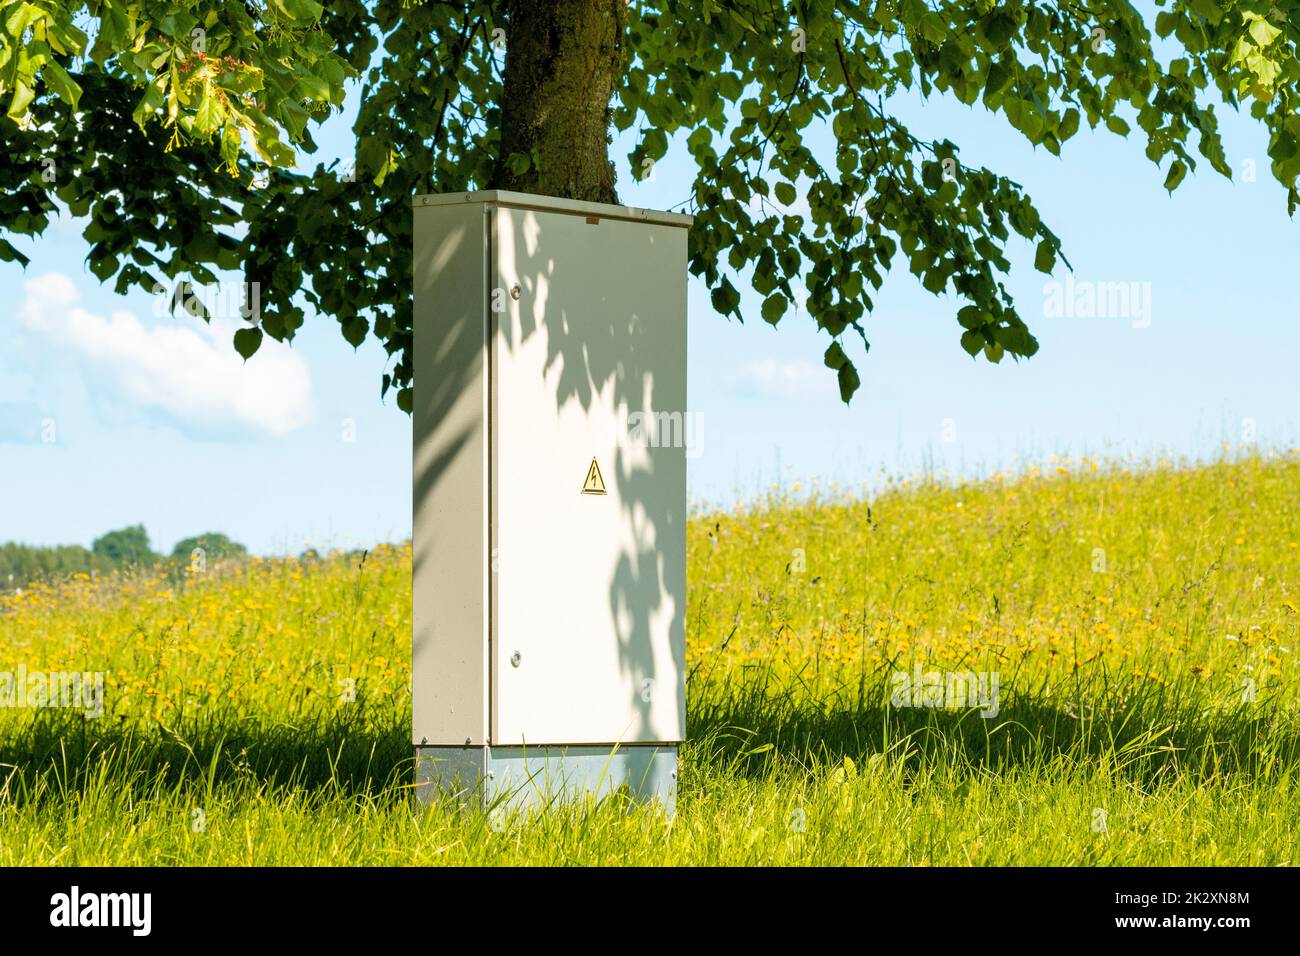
(519, 778)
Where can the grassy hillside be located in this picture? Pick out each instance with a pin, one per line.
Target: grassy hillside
(1141, 627)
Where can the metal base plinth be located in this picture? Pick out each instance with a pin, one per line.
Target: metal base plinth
(520, 778)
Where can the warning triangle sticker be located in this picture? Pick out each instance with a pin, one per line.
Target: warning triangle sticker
(595, 484)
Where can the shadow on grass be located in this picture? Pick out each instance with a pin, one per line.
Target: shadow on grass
(1139, 733)
(56, 756)
(751, 728)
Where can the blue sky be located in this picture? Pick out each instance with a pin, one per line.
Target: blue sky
(295, 447)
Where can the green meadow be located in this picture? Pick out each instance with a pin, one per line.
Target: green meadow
(1087, 663)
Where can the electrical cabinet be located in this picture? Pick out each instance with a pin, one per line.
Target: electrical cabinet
(549, 492)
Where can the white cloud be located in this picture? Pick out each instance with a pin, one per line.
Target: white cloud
(187, 370)
(795, 381)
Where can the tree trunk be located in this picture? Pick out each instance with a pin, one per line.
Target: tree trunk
(563, 58)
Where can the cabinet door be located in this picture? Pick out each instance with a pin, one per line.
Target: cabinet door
(589, 576)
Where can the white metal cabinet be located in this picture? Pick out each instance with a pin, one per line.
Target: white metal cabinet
(548, 334)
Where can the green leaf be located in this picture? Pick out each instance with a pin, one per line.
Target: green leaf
(65, 38)
(999, 76)
(972, 342)
(151, 101)
(308, 11)
(1069, 124)
(774, 307)
(1176, 173)
(1261, 31)
(230, 148)
(313, 87)
(835, 356)
(22, 98)
(1208, 9)
(20, 17)
(113, 34)
(1045, 257)
(518, 163)
(655, 144)
(294, 118)
(785, 194)
(9, 254)
(173, 94)
(102, 266)
(63, 86)
(355, 330)
(209, 115)
(725, 298)
(1000, 28)
(247, 342)
(849, 381)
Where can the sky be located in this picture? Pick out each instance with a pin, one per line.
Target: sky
(113, 412)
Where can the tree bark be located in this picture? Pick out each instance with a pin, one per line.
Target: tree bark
(563, 58)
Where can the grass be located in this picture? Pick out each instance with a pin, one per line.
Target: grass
(1141, 622)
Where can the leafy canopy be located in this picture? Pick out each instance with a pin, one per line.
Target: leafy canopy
(125, 547)
(175, 127)
(213, 544)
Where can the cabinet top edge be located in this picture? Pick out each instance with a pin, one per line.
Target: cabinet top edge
(577, 207)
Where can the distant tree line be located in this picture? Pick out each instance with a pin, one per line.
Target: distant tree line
(22, 565)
